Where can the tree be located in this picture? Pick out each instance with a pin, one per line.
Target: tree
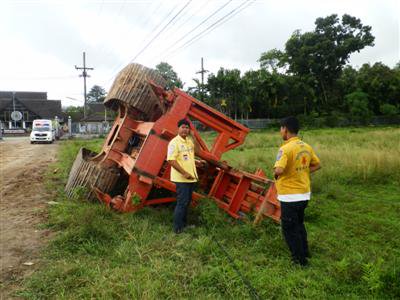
(198, 91)
(320, 55)
(168, 73)
(75, 112)
(227, 85)
(381, 83)
(389, 109)
(357, 103)
(96, 94)
(272, 59)
(348, 80)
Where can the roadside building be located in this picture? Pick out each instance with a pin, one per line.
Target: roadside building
(26, 107)
(98, 119)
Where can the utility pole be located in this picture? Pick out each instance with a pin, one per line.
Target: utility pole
(13, 100)
(84, 75)
(202, 71)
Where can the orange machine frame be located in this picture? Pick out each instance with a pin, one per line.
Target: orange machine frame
(140, 149)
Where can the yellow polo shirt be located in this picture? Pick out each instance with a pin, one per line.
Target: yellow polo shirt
(182, 150)
(295, 158)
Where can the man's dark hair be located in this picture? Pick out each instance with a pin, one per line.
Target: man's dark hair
(183, 122)
(291, 124)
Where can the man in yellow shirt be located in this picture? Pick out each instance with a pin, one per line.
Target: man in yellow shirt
(181, 157)
(294, 163)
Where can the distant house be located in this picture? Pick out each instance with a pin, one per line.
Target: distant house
(31, 105)
(98, 118)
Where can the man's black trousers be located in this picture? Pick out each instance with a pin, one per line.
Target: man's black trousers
(294, 231)
(184, 192)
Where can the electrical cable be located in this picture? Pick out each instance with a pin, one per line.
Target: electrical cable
(197, 26)
(149, 43)
(212, 27)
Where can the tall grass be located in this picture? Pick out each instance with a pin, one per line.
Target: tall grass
(347, 155)
(353, 224)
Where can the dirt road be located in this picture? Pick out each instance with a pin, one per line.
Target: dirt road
(23, 199)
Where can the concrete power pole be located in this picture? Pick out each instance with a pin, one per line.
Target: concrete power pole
(84, 75)
(202, 71)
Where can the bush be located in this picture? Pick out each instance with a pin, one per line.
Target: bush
(336, 119)
(388, 109)
(357, 103)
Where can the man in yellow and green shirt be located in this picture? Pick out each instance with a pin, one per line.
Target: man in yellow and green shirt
(181, 157)
(294, 163)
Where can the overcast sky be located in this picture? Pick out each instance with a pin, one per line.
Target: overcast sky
(42, 41)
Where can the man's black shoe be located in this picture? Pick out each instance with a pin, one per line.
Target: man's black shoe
(178, 231)
(301, 262)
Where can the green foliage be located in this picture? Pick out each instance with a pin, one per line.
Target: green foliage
(381, 83)
(96, 94)
(227, 85)
(272, 59)
(321, 54)
(309, 76)
(372, 274)
(389, 109)
(357, 103)
(198, 90)
(169, 75)
(75, 112)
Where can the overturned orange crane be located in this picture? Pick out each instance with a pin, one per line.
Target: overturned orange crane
(131, 171)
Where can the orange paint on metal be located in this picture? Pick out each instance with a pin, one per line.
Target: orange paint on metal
(140, 149)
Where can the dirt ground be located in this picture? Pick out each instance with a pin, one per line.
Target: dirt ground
(24, 200)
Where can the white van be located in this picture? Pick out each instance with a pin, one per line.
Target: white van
(42, 131)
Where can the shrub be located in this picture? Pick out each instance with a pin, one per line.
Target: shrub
(388, 109)
(357, 103)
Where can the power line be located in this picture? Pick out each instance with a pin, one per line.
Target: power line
(73, 99)
(40, 78)
(151, 41)
(162, 21)
(174, 22)
(200, 8)
(121, 7)
(201, 23)
(152, 13)
(102, 50)
(210, 28)
(100, 9)
(213, 26)
(154, 29)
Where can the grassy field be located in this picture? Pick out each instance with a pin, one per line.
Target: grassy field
(353, 223)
